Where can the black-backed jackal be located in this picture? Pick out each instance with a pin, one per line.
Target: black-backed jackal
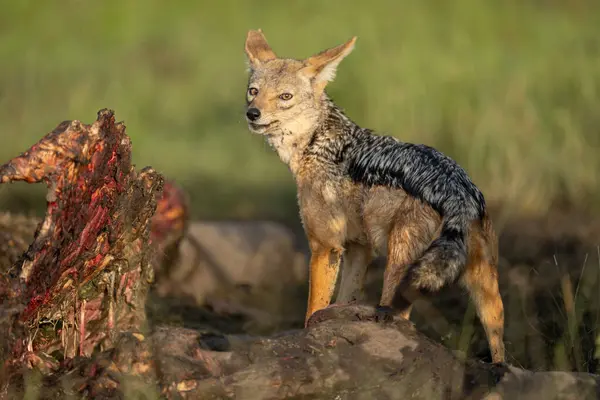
(361, 194)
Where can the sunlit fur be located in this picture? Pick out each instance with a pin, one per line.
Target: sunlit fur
(362, 194)
(289, 122)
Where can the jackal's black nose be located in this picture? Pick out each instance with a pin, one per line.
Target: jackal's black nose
(253, 114)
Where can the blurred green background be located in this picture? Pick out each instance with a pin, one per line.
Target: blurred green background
(510, 89)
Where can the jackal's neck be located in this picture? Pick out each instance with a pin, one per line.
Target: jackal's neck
(322, 136)
(335, 122)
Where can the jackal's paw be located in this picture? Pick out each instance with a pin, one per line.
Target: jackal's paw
(329, 312)
(383, 314)
(500, 369)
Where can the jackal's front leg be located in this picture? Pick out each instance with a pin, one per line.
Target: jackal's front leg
(356, 259)
(324, 267)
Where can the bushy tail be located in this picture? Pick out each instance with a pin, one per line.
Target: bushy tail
(445, 258)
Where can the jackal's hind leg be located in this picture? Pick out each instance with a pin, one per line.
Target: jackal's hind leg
(481, 280)
(406, 243)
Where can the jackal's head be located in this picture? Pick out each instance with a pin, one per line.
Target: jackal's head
(284, 96)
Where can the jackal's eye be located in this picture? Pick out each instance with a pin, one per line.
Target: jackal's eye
(285, 96)
(253, 91)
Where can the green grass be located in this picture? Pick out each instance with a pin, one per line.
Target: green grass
(510, 89)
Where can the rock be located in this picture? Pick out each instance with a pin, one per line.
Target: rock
(218, 256)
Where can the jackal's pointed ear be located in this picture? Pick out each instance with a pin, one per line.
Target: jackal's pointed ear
(257, 48)
(323, 66)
